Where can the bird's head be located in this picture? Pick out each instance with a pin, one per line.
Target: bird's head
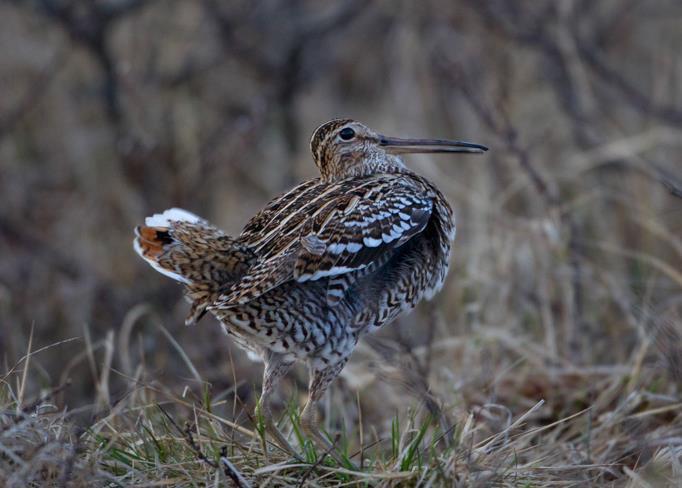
(345, 147)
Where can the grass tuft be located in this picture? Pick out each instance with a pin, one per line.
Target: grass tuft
(629, 432)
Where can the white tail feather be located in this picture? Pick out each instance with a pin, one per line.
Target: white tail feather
(165, 218)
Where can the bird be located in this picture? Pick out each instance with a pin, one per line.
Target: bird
(334, 258)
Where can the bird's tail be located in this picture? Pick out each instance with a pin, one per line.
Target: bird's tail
(188, 249)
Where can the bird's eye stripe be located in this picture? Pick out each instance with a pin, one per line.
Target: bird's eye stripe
(347, 134)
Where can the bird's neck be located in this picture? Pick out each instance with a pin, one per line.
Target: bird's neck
(372, 163)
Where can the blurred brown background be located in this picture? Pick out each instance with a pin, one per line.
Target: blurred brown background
(568, 252)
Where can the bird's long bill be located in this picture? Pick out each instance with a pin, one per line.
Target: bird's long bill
(397, 145)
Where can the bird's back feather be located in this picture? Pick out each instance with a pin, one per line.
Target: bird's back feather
(323, 230)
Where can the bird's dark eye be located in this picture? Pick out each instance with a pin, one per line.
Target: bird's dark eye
(347, 134)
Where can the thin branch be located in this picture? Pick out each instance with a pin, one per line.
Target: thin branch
(231, 470)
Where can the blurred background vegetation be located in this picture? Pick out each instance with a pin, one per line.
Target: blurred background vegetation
(568, 259)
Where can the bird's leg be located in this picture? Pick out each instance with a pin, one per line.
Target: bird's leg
(320, 378)
(275, 369)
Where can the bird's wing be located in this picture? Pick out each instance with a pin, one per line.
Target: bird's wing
(260, 227)
(345, 227)
(359, 230)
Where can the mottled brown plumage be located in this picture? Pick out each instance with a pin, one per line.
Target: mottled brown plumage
(333, 258)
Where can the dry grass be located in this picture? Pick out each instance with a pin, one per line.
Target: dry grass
(551, 426)
(553, 357)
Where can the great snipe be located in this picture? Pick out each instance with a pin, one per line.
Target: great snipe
(333, 258)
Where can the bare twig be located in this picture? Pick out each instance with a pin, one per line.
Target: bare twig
(231, 471)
